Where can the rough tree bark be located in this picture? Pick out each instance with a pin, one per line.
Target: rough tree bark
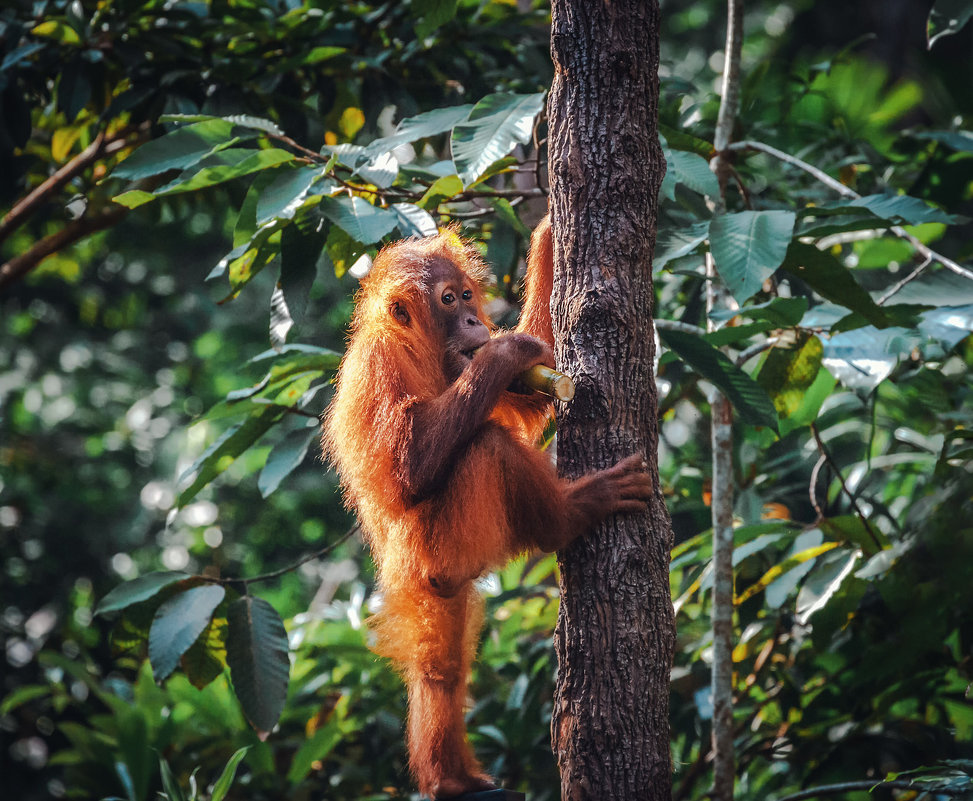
(615, 634)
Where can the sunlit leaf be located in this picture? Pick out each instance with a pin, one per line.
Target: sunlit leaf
(947, 17)
(497, 123)
(224, 782)
(285, 457)
(787, 373)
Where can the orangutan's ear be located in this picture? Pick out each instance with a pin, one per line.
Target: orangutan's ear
(399, 312)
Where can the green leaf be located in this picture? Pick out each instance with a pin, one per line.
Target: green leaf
(747, 396)
(787, 373)
(413, 221)
(495, 125)
(442, 189)
(421, 126)
(782, 312)
(833, 281)
(133, 198)
(690, 170)
(314, 749)
(431, 14)
(178, 623)
(256, 650)
(253, 161)
(814, 397)
(362, 221)
(822, 583)
(902, 209)
(206, 658)
(137, 590)
(748, 247)
(286, 456)
(947, 17)
(961, 141)
(283, 196)
(169, 784)
(222, 453)
(58, 31)
(781, 568)
(177, 150)
(678, 242)
(850, 530)
(223, 784)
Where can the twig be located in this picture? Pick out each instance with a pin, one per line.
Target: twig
(841, 189)
(747, 354)
(813, 486)
(894, 289)
(844, 487)
(850, 787)
(278, 573)
(675, 325)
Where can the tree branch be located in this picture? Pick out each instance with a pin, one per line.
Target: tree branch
(849, 787)
(19, 266)
(293, 566)
(101, 146)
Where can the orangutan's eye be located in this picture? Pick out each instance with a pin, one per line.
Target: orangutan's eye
(467, 294)
(448, 298)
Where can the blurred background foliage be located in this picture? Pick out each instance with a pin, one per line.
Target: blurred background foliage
(853, 659)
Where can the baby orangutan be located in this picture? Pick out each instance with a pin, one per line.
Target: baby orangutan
(434, 440)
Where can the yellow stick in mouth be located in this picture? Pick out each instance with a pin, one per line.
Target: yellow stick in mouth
(549, 382)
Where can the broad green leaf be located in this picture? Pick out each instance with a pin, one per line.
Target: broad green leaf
(137, 590)
(286, 456)
(19, 54)
(832, 280)
(177, 150)
(413, 221)
(255, 161)
(862, 359)
(787, 373)
(243, 120)
(222, 453)
(747, 396)
(690, 170)
(680, 140)
(283, 196)
(362, 221)
(225, 781)
(22, 695)
(902, 209)
(851, 530)
(814, 397)
(748, 247)
(178, 623)
(58, 31)
(675, 243)
(381, 171)
(421, 126)
(947, 17)
(495, 125)
(206, 658)
(256, 650)
(442, 189)
(782, 312)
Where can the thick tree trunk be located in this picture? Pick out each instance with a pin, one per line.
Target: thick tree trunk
(615, 634)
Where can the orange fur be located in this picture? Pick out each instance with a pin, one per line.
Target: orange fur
(446, 481)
